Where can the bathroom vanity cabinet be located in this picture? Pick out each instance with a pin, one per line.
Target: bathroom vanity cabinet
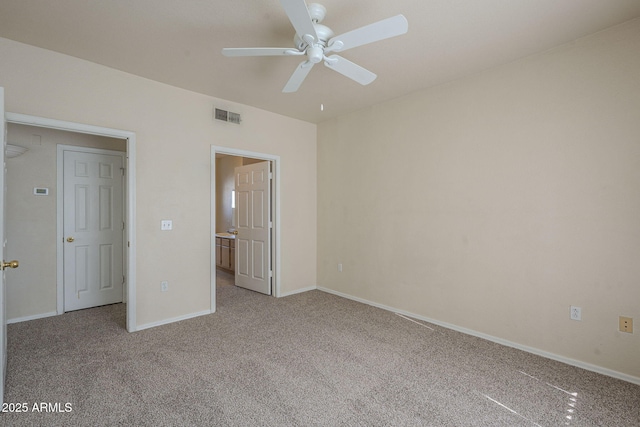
(226, 253)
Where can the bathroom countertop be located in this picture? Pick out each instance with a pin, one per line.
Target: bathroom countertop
(226, 235)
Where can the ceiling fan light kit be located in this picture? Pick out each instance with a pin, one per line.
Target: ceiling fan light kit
(315, 40)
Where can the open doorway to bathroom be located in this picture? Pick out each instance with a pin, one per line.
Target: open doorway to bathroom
(229, 260)
(226, 230)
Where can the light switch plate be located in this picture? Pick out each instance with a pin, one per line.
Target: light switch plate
(576, 313)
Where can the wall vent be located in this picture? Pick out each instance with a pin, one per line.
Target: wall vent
(227, 116)
(234, 118)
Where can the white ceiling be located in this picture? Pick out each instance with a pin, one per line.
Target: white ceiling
(179, 42)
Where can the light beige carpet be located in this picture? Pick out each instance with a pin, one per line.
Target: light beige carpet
(311, 359)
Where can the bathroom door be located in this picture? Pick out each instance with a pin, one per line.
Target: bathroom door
(3, 294)
(253, 223)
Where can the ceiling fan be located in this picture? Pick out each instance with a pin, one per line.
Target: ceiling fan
(315, 41)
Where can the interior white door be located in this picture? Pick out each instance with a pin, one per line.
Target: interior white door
(3, 244)
(3, 303)
(93, 228)
(253, 223)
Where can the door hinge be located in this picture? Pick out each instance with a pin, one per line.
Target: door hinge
(123, 226)
(270, 175)
(270, 224)
(270, 274)
(122, 169)
(124, 280)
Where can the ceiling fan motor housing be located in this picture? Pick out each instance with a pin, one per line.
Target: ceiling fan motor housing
(323, 32)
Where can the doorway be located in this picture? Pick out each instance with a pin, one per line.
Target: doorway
(222, 216)
(127, 140)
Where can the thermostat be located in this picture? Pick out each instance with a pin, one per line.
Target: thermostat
(41, 191)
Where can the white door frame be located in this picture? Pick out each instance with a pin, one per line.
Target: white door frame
(130, 212)
(275, 196)
(60, 215)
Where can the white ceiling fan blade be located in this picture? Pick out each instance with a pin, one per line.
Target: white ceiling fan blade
(299, 16)
(387, 28)
(260, 51)
(298, 77)
(349, 69)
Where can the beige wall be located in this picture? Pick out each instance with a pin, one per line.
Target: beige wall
(31, 220)
(497, 201)
(174, 130)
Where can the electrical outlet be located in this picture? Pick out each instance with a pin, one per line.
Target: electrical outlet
(626, 324)
(164, 286)
(340, 268)
(576, 313)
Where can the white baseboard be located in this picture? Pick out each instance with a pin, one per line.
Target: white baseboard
(32, 317)
(538, 352)
(298, 291)
(172, 320)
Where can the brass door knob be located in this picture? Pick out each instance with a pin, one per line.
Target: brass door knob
(70, 239)
(10, 264)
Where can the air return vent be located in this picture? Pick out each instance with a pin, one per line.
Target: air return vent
(234, 118)
(227, 116)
